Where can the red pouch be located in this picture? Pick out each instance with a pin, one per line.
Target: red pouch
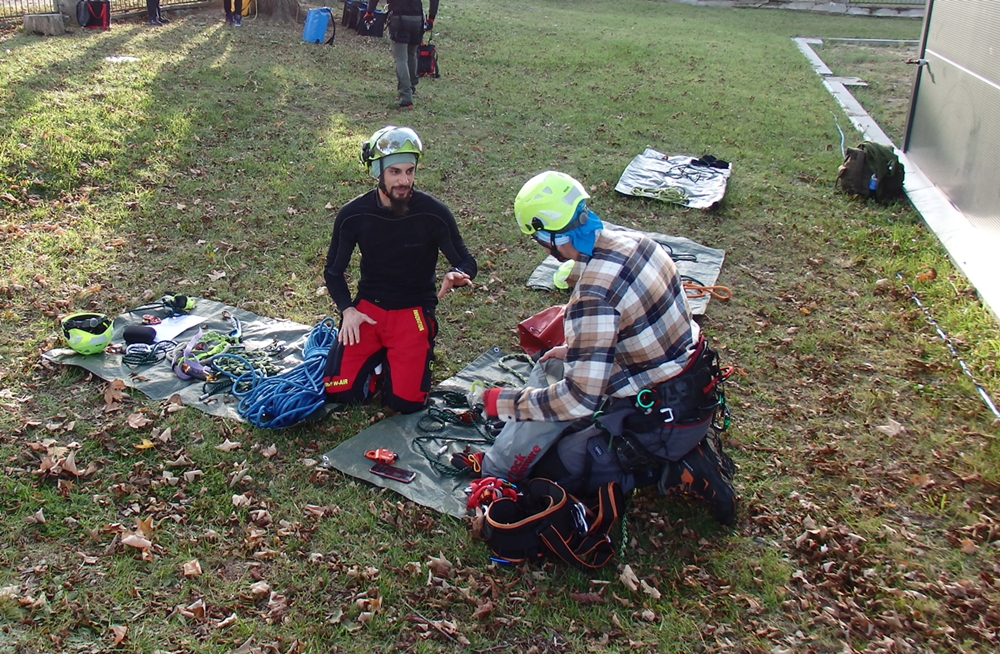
(542, 331)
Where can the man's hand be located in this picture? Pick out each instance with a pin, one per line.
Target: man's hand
(453, 279)
(368, 19)
(350, 326)
(428, 24)
(557, 352)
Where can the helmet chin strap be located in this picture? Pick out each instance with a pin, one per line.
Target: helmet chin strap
(552, 247)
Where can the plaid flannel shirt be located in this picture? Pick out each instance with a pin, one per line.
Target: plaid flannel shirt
(628, 327)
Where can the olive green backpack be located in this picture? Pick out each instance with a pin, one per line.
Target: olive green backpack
(872, 170)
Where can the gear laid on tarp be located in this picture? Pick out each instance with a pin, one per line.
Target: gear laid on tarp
(283, 340)
(698, 265)
(424, 442)
(699, 183)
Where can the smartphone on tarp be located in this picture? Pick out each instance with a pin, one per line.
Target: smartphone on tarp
(392, 472)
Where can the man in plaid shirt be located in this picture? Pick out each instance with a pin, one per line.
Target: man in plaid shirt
(628, 328)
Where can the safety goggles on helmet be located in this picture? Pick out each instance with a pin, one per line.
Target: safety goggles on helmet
(388, 141)
(87, 333)
(549, 239)
(550, 202)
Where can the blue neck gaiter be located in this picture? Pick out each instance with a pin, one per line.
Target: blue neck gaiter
(583, 236)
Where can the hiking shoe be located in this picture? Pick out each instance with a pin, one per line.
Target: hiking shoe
(163, 20)
(403, 104)
(237, 20)
(702, 472)
(469, 464)
(155, 23)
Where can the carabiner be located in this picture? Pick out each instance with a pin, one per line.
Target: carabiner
(645, 404)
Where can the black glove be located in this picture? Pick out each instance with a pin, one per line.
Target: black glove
(368, 19)
(428, 24)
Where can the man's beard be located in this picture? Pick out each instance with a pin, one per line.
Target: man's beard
(400, 206)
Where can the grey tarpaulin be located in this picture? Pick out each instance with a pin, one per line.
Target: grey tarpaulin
(429, 488)
(674, 179)
(695, 262)
(158, 380)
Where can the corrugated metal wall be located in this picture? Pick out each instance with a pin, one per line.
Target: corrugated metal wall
(954, 130)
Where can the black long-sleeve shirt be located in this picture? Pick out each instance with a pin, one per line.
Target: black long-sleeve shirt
(398, 254)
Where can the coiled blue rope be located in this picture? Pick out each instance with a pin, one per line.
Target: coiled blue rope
(283, 400)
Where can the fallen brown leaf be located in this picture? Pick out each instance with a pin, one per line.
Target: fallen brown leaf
(228, 446)
(118, 634)
(138, 421)
(628, 578)
(137, 541)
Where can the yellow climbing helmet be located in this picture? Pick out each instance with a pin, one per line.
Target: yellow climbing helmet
(87, 333)
(549, 202)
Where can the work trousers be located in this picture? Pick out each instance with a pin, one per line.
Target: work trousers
(397, 351)
(405, 33)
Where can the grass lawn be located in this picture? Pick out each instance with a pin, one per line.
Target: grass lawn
(206, 160)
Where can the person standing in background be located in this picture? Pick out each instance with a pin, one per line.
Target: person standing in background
(406, 31)
(153, 13)
(234, 12)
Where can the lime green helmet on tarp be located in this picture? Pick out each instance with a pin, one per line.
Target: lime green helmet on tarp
(388, 146)
(549, 202)
(87, 333)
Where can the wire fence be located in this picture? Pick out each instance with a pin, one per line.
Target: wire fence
(13, 10)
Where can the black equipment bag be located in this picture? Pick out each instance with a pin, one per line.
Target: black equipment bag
(427, 60)
(374, 28)
(546, 520)
(353, 11)
(95, 14)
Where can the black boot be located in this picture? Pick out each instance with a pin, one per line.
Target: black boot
(706, 472)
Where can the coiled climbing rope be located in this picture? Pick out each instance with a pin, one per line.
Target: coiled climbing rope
(283, 400)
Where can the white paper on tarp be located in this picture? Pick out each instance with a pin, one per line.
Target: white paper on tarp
(695, 262)
(173, 326)
(674, 179)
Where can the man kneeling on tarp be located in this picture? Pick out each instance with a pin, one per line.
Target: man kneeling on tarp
(387, 332)
(637, 392)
